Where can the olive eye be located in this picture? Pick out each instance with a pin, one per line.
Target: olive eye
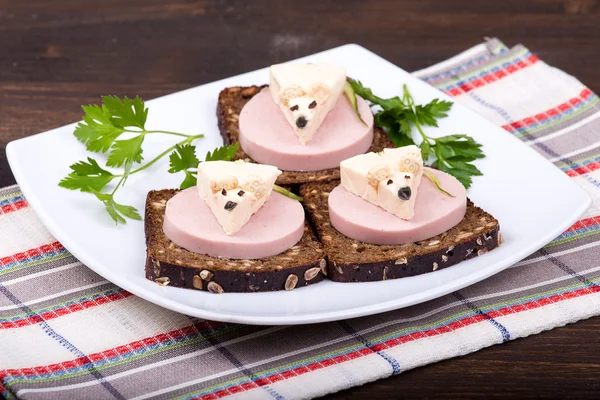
(294, 108)
(241, 193)
(312, 105)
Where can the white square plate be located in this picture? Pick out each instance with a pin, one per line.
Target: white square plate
(533, 200)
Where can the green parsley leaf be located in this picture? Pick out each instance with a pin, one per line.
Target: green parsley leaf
(126, 112)
(431, 112)
(456, 166)
(224, 153)
(368, 95)
(126, 152)
(100, 130)
(90, 167)
(425, 150)
(84, 183)
(116, 210)
(128, 211)
(97, 131)
(398, 116)
(86, 175)
(182, 158)
(190, 180)
(397, 128)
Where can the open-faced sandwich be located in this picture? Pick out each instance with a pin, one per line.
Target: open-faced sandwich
(231, 233)
(301, 122)
(374, 211)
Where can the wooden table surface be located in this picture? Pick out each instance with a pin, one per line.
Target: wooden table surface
(58, 54)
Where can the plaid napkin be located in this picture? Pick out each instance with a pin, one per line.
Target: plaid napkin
(67, 332)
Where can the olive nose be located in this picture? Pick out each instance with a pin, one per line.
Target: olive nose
(301, 122)
(404, 193)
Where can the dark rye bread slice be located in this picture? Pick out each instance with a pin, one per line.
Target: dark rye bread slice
(169, 264)
(350, 260)
(230, 104)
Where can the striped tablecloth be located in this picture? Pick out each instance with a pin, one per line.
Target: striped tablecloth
(66, 332)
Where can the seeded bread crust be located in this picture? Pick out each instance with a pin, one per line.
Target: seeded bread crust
(168, 264)
(230, 104)
(350, 260)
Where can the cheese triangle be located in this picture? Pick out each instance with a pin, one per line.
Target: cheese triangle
(306, 93)
(234, 191)
(389, 179)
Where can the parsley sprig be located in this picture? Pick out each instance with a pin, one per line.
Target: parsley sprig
(103, 124)
(100, 131)
(453, 154)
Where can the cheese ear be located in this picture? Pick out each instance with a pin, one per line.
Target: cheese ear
(291, 93)
(320, 93)
(410, 164)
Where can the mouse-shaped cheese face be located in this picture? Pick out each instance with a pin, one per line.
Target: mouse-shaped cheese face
(234, 191)
(389, 179)
(304, 105)
(306, 93)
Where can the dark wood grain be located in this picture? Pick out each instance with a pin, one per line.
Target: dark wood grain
(56, 55)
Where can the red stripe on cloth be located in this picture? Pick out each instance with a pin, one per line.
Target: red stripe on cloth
(114, 352)
(38, 251)
(398, 341)
(17, 205)
(492, 76)
(583, 169)
(390, 343)
(548, 114)
(394, 342)
(584, 223)
(48, 315)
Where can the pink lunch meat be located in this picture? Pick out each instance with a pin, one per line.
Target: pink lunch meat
(435, 213)
(267, 137)
(277, 226)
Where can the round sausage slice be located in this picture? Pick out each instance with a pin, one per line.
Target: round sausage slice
(435, 213)
(267, 137)
(276, 227)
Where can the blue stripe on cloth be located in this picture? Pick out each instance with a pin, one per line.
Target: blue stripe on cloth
(583, 164)
(559, 116)
(64, 342)
(38, 257)
(458, 81)
(491, 106)
(503, 331)
(579, 231)
(541, 145)
(210, 338)
(61, 306)
(454, 70)
(406, 332)
(368, 344)
(566, 160)
(567, 269)
(11, 200)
